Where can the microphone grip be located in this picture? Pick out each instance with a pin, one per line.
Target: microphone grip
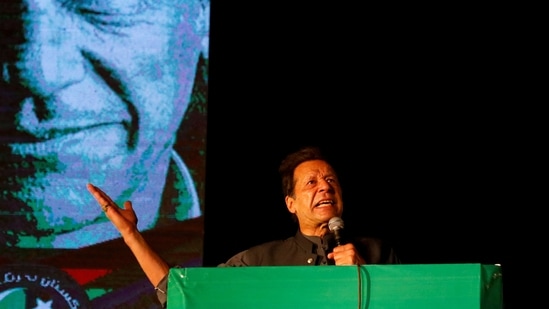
(338, 238)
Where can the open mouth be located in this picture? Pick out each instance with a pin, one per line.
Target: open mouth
(325, 203)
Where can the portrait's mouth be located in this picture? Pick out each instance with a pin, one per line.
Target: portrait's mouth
(38, 136)
(68, 141)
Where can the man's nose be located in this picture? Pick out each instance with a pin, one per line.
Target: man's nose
(48, 57)
(325, 185)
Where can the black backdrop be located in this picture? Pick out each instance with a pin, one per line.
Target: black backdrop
(409, 104)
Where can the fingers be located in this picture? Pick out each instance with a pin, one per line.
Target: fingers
(118, 215)
(102, 198)
(346, 255)
(104, 207)
(345, 247)
(128, 205)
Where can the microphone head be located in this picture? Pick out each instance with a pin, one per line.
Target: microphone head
(335, 224)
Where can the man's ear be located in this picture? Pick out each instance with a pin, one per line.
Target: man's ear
(290, 204)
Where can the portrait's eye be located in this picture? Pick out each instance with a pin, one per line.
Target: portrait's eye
(112, 13)
(113, 7)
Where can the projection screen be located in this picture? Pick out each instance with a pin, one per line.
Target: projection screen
(108, 92)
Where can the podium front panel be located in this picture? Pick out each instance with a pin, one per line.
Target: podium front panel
(449, 286)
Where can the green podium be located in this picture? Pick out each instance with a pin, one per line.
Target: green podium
(448, 286)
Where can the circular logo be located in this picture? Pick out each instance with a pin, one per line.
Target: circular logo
(30, 286)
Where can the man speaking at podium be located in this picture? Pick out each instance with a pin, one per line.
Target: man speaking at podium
(312, 195)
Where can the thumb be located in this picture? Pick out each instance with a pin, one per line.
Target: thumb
(128, 205)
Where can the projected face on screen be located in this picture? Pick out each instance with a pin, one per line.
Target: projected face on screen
(93, 91)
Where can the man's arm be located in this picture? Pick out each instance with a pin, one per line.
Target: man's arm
(125, 220)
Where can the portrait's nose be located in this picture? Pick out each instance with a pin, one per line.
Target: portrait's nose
(44, 56)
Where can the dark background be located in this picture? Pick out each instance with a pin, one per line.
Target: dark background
(414, 105)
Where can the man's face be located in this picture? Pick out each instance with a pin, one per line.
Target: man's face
(90, 91)
(317, 196)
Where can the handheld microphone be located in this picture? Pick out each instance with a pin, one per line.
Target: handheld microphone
(336, 225)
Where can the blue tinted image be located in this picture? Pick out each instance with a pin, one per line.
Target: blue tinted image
(100, 91)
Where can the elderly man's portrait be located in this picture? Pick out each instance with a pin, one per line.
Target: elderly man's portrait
(103, 91)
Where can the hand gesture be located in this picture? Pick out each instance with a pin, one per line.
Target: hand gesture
(124, 219)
